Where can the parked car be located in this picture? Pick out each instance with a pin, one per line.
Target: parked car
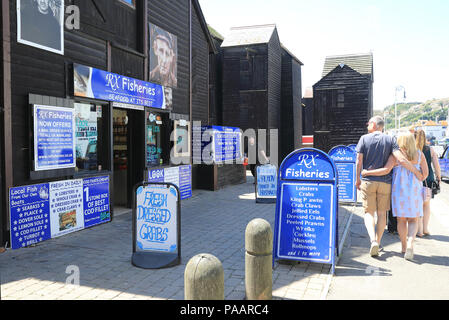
(444, 164)
(443, 142)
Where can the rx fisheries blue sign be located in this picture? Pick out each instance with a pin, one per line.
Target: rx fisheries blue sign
(345, 160)
(306, 208)
(98, 84)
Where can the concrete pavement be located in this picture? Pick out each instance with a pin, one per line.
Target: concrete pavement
(212, 222)
(390, 276)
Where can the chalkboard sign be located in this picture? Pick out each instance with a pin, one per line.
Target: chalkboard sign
(156, 226)
(266, 184)
(306, 208)
(345, 160)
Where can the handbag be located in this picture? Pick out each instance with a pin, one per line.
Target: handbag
(435, 187)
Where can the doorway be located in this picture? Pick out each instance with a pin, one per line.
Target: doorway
(129, 154)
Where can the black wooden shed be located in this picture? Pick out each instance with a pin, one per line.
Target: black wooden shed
(343, 100)
(262, 86)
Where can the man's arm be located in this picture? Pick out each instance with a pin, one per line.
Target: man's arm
(359, 170)
(403, 161)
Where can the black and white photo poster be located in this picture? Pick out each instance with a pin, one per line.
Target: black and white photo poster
(40, 23)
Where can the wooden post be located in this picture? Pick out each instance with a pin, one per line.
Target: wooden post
(204, 278)
(258, 260)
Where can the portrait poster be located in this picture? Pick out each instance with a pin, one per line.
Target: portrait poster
(40, 24)
(163, 57)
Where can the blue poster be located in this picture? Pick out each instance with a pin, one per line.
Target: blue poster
(98, 84)
(180, 176)
(54, 138)
(306, 208)
(352, 147)
(30, 220)
(345, 161)
(266, 187)
(216, 145)
(96, 201)
(185, 182)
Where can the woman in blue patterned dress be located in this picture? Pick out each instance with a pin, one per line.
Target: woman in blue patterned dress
(406, 191)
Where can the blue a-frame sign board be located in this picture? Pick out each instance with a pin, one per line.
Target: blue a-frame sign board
(345, 160)
(306, 209)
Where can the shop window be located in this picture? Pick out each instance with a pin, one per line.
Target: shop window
(182, 138)
(90, 138)
(157, 144)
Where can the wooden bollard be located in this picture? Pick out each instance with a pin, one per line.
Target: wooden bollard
(204, 278)
(258, 260)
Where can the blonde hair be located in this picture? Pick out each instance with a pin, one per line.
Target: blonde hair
(420, 137)
(407, 143)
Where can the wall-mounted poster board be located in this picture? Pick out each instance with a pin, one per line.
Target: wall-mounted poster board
(217, 145)
(156, 226)
(54, 138)
(345, 160)
(49, 210)
(306, 208)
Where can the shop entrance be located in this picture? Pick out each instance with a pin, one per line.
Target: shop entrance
(129, 154)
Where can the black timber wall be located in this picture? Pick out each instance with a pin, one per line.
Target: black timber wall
(245, 84)
(341, 126)
(215, 85)
(291, 113)
(307, 117)
(2, 148)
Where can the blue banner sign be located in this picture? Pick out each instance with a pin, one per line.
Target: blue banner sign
(96, 201)
(306, 208)
(46, 211)
(216, 145)
(180, 176)
(98, 84)
(353, 147)
(30, 215)
(266, 186)
(345, 160)
(54, 138)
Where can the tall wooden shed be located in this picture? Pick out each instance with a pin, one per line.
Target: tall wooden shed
(291, 104)
(343, 100)
(252, 62)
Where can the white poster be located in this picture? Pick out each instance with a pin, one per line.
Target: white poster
(171, 175)
(66, 207)
(157, 220)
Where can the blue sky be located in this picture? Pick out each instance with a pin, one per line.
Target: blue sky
(409, 39)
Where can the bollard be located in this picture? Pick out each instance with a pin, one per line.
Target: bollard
(258, 260)
(204, 278)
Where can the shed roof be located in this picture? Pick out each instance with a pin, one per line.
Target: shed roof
(362, 63)
(241, 36)
(291, 54)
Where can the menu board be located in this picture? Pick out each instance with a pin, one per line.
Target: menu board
(45, 211)
(306, 208)
(306, 221)
(345, 162)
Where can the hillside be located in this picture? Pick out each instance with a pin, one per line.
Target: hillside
(410, 113)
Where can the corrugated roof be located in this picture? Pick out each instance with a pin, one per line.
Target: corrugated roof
(241, 36)
(362, 63)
